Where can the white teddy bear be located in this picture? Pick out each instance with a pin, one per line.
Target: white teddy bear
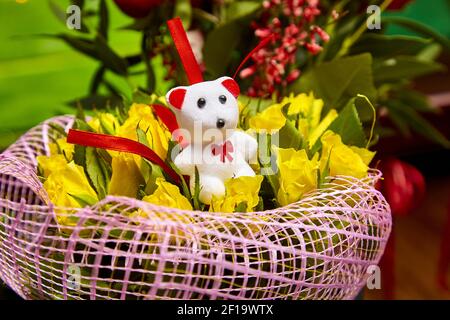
(208, 114)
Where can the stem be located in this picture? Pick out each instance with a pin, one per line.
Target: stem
(350, 41)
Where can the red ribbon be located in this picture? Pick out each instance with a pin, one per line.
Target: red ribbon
(166, 116)
(224, 150)
(260, 45)
(184, 50)
(104, 141)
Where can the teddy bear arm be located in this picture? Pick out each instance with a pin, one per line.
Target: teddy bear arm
(247, 146)
(209, 186)
(184, 164)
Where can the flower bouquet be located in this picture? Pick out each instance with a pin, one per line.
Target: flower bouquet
(95, 206)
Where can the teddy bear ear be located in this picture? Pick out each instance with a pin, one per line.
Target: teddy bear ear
(231, 86)
(175, 97)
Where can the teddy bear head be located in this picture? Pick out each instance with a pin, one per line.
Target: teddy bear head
(207, 110)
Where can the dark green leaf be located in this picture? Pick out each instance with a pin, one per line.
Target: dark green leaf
(414, 99)
(403, 67)
(417, 123)
(110, 59)
(219, 46)
(95, 173)
(196, 195)
(380, 45)
(104, 19)
(339, 80)
(420, 29)
(97, 80)
(83, 45)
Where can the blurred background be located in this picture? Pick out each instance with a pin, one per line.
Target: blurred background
(40, 76)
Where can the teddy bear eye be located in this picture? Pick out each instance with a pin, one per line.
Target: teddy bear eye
(222, 99)
(201, 103)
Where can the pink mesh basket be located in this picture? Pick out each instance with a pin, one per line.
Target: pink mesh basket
(318, 248)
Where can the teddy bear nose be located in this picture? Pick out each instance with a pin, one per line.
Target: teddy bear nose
(220, 123)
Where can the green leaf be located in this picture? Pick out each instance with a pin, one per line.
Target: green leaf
(79, 154)
(289, 136)
(103, 19)
(420, 29)
(84, 199)
(339, 80)
(96, 101)
(417, 123)
(82, 45)
(95, 173)
(403, 67)
(57, 11)
(196, 195)
(414, 99)
(97, 80)
(183, 9)
(380, 45)
(349, 127)
(240, 9)
(110, 59)
(219, 46)
(139, 96)
(241, 207)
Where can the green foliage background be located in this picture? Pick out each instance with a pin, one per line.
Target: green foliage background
(39, 75)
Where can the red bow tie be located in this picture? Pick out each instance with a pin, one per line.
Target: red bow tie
(224, 150)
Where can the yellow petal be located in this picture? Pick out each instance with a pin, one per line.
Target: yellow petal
(126, 176)
(342, 159)
(238, 190)
(365, 154)
(64, 186)
(297, 174)
(168, 195)
(271, 119)
(51, 164)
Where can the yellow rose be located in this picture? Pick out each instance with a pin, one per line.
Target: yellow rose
(104, 123)
(126, 176)
(365, 154)
(270, 119)
(305, 105)
(48, 165)
(238, 190)
(157, 135)
(62, 147)
(66, 187)
(168, 195)
(297, 174)
(342, 159)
